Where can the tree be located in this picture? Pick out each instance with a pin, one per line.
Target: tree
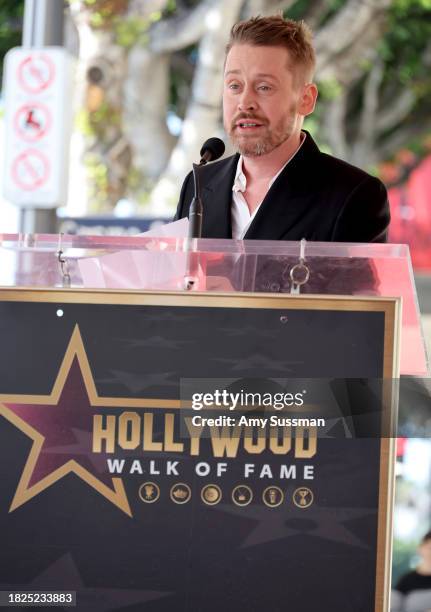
(345, 38)
(167, 56)
(382, 104)
(108, 31)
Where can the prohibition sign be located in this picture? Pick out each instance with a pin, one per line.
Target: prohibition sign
(30, 169)
(36, 73)
(32, 121)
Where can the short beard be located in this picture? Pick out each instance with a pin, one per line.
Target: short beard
(257, 149)
(266, 143)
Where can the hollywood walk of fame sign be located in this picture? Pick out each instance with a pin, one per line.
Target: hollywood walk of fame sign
(100, 462)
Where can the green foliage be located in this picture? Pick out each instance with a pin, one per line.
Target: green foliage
(408, 34)
(330, 89)
(333, 8)
(133, 30)
(405, 49)
(128, 29)
(404, 40)
(297, 10)
(302, 8)
(103, 13)
(95, 123)
(170, 7)
(82, 122)
(11, 16)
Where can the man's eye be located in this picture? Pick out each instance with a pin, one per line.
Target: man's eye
(264, 87)
(233, 86)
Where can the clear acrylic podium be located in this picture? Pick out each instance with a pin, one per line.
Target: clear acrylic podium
(153, 313)
(222, 266)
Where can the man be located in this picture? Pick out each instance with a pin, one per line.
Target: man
(279, 186)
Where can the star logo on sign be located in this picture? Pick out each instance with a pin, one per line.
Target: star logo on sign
(135, 383)
(155, 342)
(275, 524)
(64, 575)
(258, 362)
(247, 331)
(51, 422)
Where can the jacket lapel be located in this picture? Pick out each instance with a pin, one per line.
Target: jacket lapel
(287, 197)
(217, 201)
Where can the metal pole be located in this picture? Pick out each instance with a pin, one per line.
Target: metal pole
(43, 26)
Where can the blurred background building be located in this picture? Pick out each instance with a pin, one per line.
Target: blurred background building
(147, 93)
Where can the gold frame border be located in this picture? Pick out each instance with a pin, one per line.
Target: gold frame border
(391, 307)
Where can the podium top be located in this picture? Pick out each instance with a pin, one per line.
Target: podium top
(210, 245)
(118, 262)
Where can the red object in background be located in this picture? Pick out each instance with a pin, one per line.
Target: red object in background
(401, 447)
(411, 215)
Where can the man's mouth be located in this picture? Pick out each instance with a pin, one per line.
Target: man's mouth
(248, 125)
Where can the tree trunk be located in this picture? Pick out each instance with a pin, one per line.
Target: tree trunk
(146, 97)
(203, 114)
(105, 151)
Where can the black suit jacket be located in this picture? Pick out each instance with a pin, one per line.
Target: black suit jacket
(316, 197)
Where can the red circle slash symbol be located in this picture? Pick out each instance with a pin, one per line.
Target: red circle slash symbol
(36, 73)
(30, 169)
(32, 121)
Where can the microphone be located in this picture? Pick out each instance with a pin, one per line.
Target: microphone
(212, 149)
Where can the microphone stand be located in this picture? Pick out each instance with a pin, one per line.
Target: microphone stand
(191, 278)
(196, 208)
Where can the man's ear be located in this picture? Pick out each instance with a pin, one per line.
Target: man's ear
(308, 99)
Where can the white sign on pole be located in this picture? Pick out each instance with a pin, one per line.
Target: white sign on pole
(38, 116)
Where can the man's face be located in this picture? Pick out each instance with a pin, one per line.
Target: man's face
(263, 104)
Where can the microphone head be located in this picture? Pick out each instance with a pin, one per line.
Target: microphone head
(212, 149)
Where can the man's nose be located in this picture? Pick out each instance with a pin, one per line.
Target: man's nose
(247, 100)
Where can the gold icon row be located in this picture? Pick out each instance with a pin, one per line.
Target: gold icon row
(211, 494)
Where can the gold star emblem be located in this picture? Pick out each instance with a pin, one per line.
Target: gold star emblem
(49, 421)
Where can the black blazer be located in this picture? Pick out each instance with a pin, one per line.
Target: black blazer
(316, 197)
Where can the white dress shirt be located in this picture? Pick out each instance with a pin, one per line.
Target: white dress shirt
(241, 217)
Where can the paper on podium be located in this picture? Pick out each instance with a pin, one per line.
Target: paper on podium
(147, 268)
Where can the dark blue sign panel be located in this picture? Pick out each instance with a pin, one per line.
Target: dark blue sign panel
(108, 225)
(117, 491)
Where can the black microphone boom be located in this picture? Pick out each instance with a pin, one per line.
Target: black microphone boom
(212, 149)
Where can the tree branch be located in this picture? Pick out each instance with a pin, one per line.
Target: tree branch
(371, 98)
(144, 8)
(400, 138)
(315, 12)
(203, 111)
(183, 30)
(366, 134)
(396, 112)
(335, 125)
(345, 66)
(403, 104)
(347, 25)
(266, 7)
